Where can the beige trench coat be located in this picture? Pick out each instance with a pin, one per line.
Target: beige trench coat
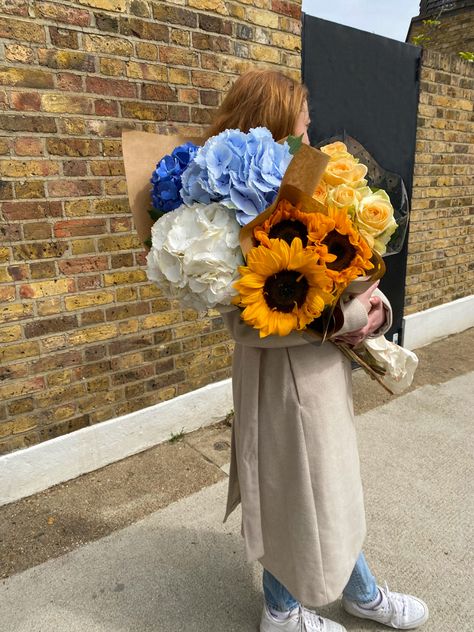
(294, 461)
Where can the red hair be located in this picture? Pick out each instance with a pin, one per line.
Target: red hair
(266, 98)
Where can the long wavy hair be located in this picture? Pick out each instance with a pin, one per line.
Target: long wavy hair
(265, 98)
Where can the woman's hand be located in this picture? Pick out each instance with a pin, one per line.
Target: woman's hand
(376, 318)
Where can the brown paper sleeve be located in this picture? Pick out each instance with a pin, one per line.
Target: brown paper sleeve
(141, 153)
(298, 185)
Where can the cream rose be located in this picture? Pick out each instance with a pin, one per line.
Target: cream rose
(375, 220)
(345, 170)
(344, 196)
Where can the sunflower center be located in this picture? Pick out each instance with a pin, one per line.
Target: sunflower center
(284, 289)
(288, 229)
(340, 246)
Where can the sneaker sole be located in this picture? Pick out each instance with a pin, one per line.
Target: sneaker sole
(273, 625)
(415, 624)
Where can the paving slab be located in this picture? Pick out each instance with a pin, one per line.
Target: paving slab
(212, 443)
(48, 524)
(181, 569)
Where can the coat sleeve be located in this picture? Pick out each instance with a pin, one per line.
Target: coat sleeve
(355, 316)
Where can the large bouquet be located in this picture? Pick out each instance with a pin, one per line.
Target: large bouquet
(282, 230)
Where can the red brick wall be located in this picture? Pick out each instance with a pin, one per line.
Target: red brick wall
(83, 336)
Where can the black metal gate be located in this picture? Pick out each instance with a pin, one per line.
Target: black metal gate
(366, 86)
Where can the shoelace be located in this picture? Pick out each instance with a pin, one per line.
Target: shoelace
(310, 621)
(396, 604)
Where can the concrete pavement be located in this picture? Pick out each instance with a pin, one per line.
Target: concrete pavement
(181, 569)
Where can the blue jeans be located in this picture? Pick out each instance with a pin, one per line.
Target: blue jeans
(361, 587)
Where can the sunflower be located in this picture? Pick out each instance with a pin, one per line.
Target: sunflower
(341, 247)
(282, 288)
(286, 222)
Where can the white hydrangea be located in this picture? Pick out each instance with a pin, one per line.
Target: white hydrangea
(195, 254)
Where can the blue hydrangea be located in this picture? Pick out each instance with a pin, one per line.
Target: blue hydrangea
(166, 178)
(242, 171)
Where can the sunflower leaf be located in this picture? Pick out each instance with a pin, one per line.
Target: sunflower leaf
(294, 143)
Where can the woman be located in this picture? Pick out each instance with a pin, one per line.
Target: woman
(295, 464)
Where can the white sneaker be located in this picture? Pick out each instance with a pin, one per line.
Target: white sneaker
(403, 612)
(299, 620)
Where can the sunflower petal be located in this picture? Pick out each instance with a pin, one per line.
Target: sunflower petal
(265, 261)
(249, 281)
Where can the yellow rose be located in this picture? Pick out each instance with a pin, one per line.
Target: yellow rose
(345, 170)
(375, 220)
(335, 148)
(321, 192)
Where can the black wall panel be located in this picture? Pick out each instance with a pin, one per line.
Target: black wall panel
(367, 86)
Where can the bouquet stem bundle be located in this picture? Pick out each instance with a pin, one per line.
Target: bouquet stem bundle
(392, 366)
(376, 373)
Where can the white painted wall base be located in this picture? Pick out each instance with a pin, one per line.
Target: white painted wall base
(31, 470)
(425, 327)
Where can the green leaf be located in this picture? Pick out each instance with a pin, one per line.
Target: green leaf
(418, 39)
(155, 214)
(147, 242)
(466, 55)
(295, 143)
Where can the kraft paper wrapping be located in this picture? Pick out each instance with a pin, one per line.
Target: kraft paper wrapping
(141, 153)
(299, 182)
